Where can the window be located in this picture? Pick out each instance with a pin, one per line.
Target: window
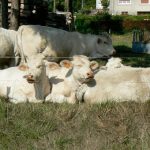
(144, 1)
(124, 1)
(124, 13)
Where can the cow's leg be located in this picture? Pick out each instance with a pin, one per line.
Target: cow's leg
(34, 100)
(56, 98)
(61, 98)
(18, 98)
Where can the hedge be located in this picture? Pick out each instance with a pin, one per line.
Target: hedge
(106, 22)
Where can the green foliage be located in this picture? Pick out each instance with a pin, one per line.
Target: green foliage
(77, 5)
(59, 5)
(87, 5)
(105, 4)
(106, 22)
(93, 24)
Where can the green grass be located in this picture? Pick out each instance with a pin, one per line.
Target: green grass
(106, 126)
(123, 46)
(63, 127)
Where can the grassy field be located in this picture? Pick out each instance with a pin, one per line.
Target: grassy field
(107, 126)
(123, 46)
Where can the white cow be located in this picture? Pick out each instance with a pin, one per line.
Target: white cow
(33, 39)
(15, 87)
(67, 78)
(122, 84)
(7, 46)
(113, 63)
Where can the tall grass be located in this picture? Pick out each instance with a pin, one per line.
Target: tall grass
(106, 126)
(62, 126)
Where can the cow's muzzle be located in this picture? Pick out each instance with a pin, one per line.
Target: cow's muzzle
(90, 75)
(30, 78)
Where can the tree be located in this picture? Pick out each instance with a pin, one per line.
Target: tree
(15, 13)
(105, 4)
(66, 5)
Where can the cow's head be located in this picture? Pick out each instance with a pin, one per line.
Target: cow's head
(114, 63)
(35, 68)
(103, 46)
(81, 68)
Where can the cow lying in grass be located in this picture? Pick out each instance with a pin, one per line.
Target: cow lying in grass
(121, 84)
(67, 78)
(52, 42)
(25, 83)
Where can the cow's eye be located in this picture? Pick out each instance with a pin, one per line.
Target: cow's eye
(79, 65)
(105, 42)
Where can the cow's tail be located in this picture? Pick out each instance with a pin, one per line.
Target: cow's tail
(20, 49)
(16, 51)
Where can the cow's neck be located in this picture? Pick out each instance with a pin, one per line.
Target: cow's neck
(74, 84)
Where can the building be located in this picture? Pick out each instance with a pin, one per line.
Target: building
(131, 7)
(98, 4)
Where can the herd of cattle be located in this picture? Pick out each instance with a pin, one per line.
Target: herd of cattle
(34, 74)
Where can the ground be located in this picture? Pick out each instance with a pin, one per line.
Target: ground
(106, 126)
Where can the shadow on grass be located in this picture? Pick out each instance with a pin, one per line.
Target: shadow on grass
(131, 58)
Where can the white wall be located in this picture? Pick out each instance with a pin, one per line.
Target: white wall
(98, 4)
(132, 9)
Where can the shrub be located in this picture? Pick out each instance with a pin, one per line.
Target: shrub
(92, 24)
(105, 22)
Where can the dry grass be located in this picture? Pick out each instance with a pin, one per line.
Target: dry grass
(106, 126)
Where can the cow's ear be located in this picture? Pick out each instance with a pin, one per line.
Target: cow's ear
(66, 64)
(23, 67)
(52, 65)
(94, 65)
(99, 40)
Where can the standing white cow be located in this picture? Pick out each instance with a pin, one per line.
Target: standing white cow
(25, 83)
(122, 84)
(33, 39)
(67, 78)
(7, 46)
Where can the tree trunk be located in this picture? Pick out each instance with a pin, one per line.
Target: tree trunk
(72, 27)
(66, 5)
(54, 6)
(0, 13)
(4, 13)
(15, 13)
(70, 5)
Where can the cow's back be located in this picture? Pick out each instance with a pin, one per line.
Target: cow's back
(119, 85)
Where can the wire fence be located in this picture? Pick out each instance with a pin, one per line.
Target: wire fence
(141, 57)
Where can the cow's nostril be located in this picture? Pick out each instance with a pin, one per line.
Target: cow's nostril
(30, 76)
(90, 74)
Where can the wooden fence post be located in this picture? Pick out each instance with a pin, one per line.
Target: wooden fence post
(4, 13)
(15, 14)
(0, 13)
